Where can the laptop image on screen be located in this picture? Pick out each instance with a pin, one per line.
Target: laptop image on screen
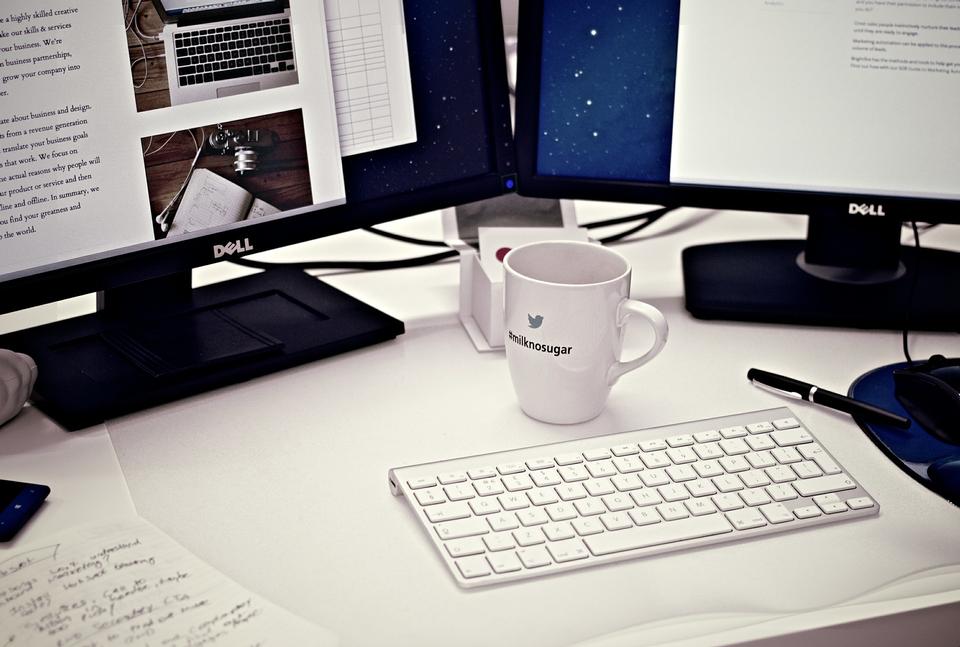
(215, 48)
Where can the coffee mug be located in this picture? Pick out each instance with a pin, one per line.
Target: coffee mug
(565, 307)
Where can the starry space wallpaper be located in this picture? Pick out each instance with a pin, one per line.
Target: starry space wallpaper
(453, 136)
(607, 88)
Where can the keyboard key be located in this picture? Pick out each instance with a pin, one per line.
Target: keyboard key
(626, 482)
(625, 450)
(528, 537)
(681, 473)
(710, 436)
(824, 484)
(517, 482)
(504, 563)
(558, 531)
(616, 521)
(534, 557)
(471, 567)
(571, 492)
(727, 502)
(568, 459)
(545, 496)
(734, 446)
(503, 521)
(738, 431)
(482, 473)
(587, 526)
(567, 551)
(545, 478)
(617, 502)
(644, 516)
(573, 473)
(807, 512)
(746, 518)
(657, 534)
(653, 478)
(628, 464)
(755, 497)
(860, 502)
(532, 517)
(601, 469)
(791, 437)
(561, 512)
(597, 454)
(776, 513)
(786, 455)
(807, 469)
(589, 507)
(682, 440)
(465, 547)
(760, 460)
(498, 541)
(599, 487)
(416, 484)
(653, 445)
(488, 487)
(447, 512)
(511, 468)
(430, 496)
(458, 492)
(760, 427)
(655, 460)
(672, 511)
(481, 507)
(461, 528)
(700, 507)
(786, 423)
(514, 501)
(540, 463)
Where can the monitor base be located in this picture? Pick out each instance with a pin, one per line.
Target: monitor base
(161, 341)
(763, 281)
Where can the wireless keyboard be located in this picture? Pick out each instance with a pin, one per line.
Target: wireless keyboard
(528, 512)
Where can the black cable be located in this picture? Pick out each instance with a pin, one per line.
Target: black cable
(913, 287)
(649, 218)
(406, 239)
(655, 214)
(349, 265)
(652, 218)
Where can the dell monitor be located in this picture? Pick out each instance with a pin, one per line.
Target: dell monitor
(845, 111)
(140, 140)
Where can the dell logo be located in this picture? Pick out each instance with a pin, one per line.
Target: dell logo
(866, 209)
(232, 248)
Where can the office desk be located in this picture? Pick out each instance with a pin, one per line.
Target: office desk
(281, 483)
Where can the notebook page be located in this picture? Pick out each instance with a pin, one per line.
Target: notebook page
(128, 583)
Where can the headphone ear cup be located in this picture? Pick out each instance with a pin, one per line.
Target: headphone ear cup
(929, 401)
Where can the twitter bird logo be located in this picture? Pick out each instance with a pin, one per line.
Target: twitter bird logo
(535, 322)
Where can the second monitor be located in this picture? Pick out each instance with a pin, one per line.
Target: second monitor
(818, 107)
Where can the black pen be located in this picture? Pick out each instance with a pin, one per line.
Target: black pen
(803, 391)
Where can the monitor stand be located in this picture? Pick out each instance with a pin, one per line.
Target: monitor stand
(160, 340)
(851, 271)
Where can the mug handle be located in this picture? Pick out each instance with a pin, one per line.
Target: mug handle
(630, 307)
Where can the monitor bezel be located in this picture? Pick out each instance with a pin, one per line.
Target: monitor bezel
(532, 183)
(109, 270)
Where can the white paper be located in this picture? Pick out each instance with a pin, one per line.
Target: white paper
(128, 583)
(371, 74)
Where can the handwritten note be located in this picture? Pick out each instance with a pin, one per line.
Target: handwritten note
(129, 584)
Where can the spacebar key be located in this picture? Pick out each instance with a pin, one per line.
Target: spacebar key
(662, 533)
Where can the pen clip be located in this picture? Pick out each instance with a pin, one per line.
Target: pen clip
(773, 389)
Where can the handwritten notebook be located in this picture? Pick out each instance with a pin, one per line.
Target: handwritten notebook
(128, 583)
(210, 200)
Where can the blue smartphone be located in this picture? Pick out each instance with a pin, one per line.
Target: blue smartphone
(18, 502)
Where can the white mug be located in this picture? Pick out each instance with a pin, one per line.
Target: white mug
(565, 307)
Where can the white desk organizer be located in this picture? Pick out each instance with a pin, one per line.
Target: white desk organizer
(481, 283)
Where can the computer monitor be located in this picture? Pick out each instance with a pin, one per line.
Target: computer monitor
(189, 132)
(848, 112)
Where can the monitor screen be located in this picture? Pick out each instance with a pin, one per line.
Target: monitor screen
(190, 132)
(847, 111)
(801, 96)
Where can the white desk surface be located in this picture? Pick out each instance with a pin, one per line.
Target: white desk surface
(281, 482)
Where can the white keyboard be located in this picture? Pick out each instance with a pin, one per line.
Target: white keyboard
(528, 512)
